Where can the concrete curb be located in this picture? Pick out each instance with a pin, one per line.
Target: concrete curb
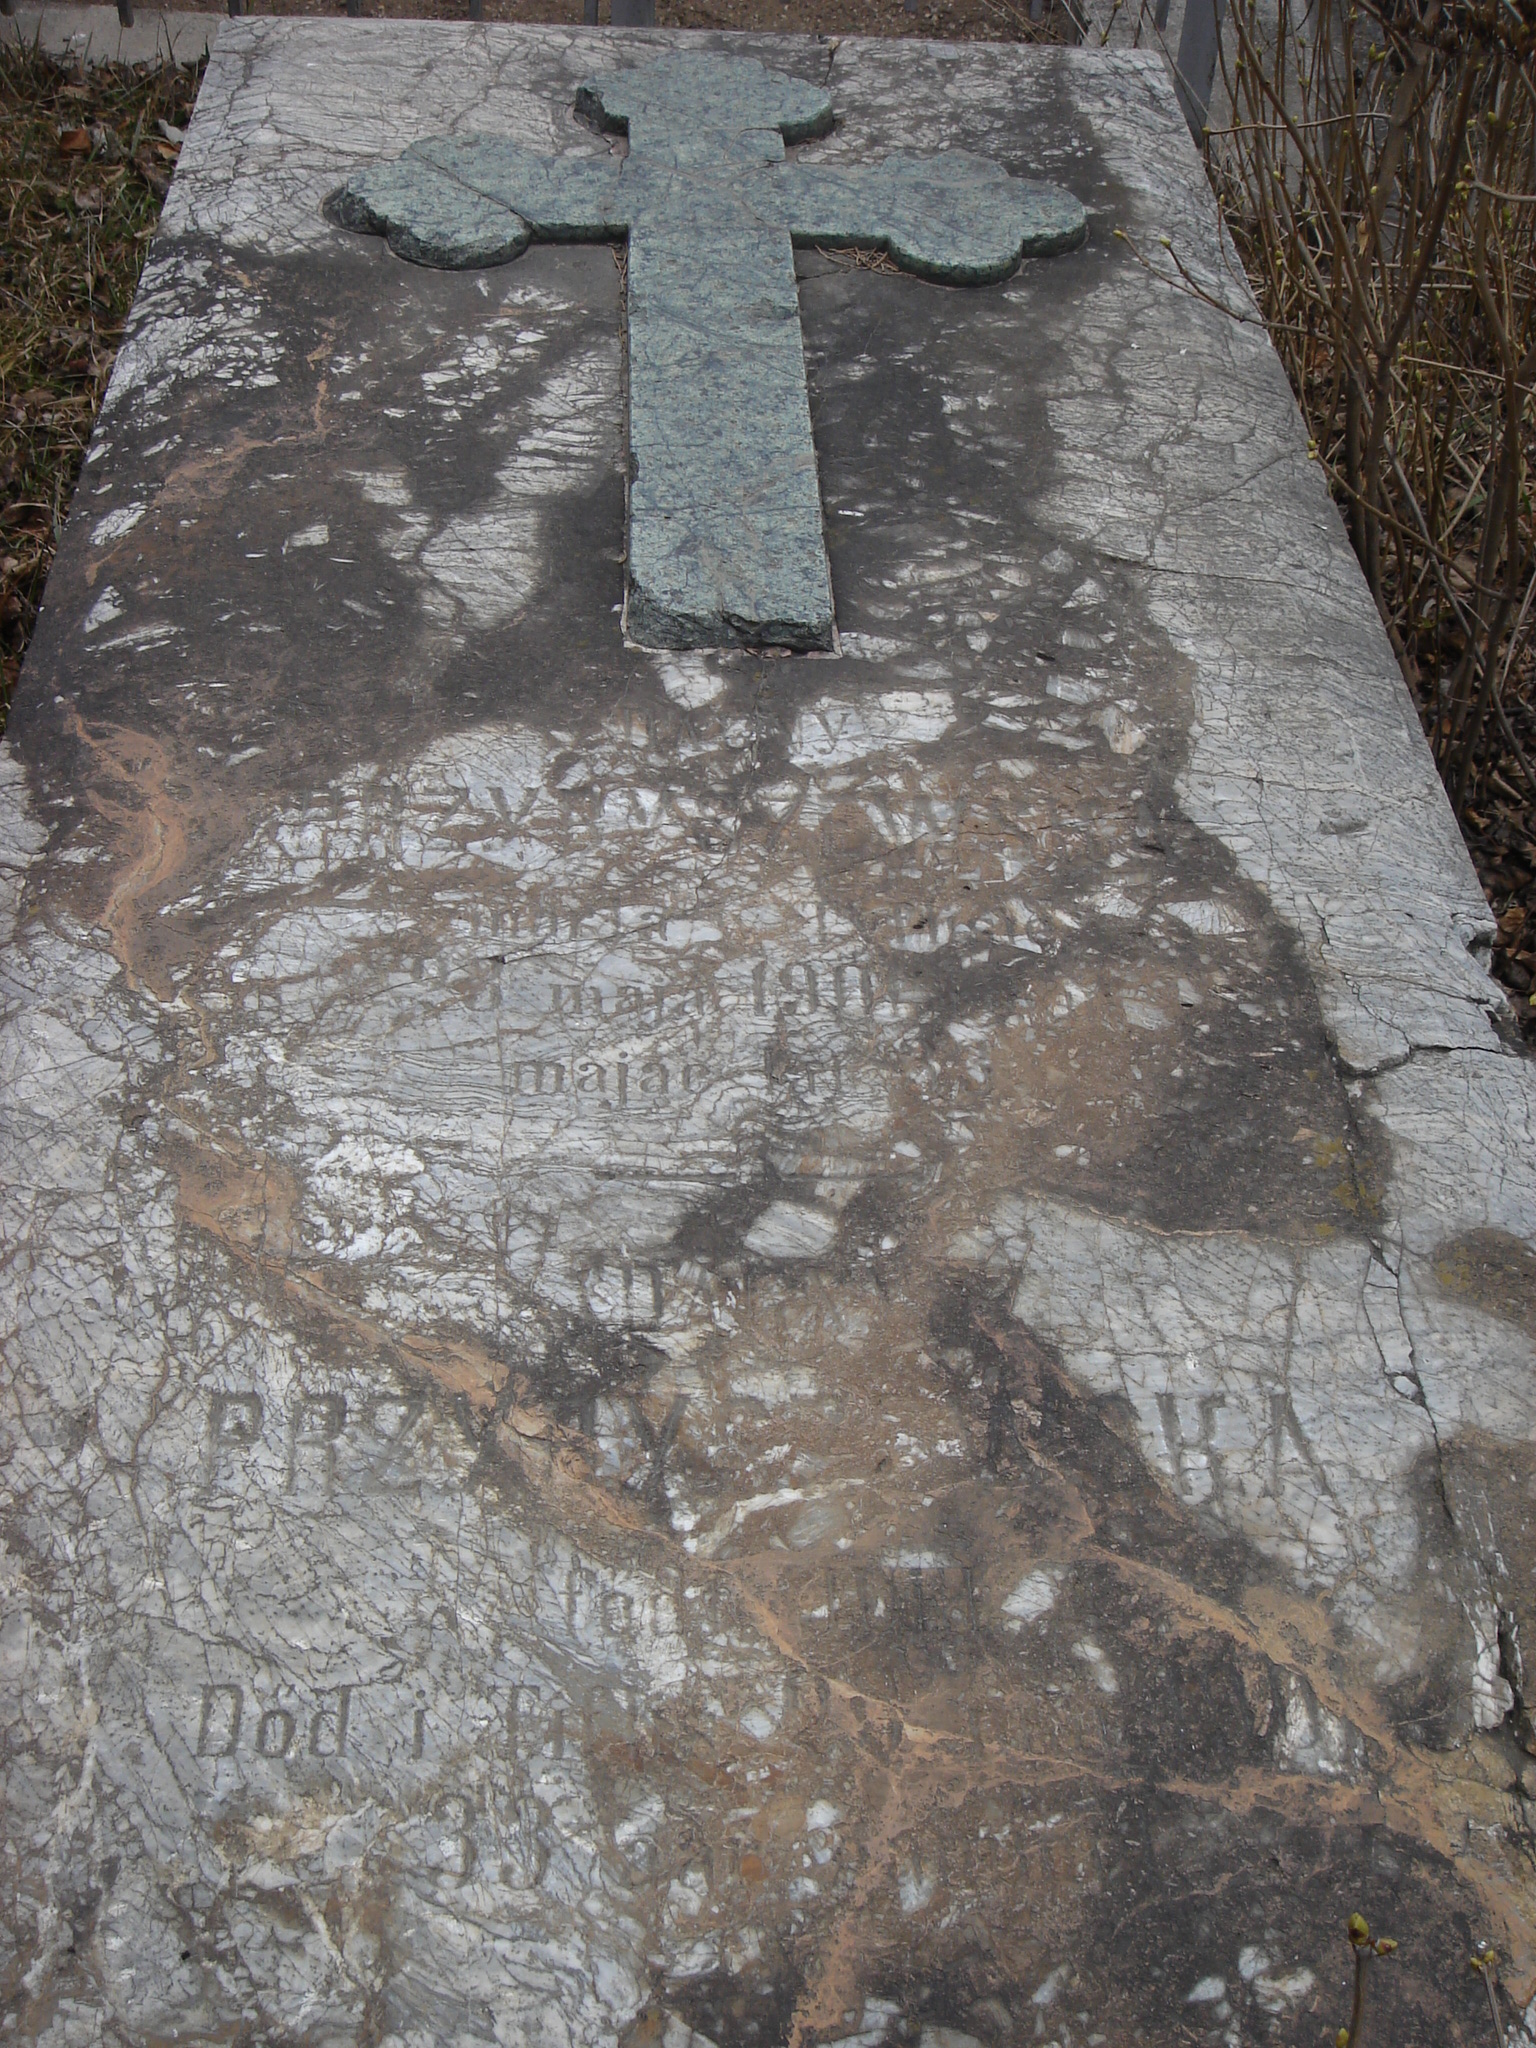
(95, 34)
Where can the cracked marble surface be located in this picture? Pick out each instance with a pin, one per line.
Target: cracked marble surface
(716, 1349)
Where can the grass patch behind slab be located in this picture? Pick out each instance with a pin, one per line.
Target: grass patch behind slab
(84, 165)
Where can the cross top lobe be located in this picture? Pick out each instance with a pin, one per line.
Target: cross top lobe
(725, 539)
(697, 109)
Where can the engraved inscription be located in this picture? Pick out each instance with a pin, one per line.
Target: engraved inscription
(275, 1733)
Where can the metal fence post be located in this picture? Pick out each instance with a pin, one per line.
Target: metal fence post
(1194, 70)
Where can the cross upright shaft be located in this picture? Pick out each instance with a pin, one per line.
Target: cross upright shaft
(725, 535)
(725, 539)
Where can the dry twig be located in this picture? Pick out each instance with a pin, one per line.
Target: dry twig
(1378, 175)
(1365, 1948)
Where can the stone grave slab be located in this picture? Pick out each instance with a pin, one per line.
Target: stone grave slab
(814, 1326)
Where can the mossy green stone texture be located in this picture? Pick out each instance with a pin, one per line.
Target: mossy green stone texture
(725, 536)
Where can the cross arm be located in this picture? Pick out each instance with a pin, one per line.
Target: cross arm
(956, 218)
(464, 204)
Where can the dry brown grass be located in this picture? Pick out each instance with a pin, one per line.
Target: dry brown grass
(84, 165)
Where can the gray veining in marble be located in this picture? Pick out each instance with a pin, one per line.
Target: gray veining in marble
(720, 1348)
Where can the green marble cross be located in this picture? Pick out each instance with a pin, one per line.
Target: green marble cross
(725, 536)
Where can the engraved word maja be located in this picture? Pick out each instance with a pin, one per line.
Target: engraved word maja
(725, 540)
